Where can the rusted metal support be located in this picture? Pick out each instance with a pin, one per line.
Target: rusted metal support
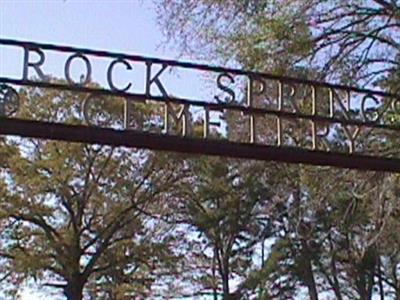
(112, 137)
(293, 120)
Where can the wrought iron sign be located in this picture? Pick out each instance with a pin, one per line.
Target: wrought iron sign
(219, 111)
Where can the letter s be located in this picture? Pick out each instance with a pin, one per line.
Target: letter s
(226, 89)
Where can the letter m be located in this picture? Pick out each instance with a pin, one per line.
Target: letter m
(180, 117)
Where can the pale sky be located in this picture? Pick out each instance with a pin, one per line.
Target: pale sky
(123, 25)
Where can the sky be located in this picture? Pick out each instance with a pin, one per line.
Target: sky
(116, 25)
(127, 26)
(123, 25)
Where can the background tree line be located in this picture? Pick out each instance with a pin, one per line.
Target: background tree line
(96, 222)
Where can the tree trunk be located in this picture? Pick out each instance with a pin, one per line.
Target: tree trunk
(225, 278)
(335, 285)
(74, 290)
(306, 252)
(308, 275)
(310, 282)
(215, 284)
(225, 286)
(380, 281)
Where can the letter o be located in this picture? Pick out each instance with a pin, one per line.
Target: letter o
(68, 63)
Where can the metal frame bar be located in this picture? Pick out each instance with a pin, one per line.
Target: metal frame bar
(190, 65)
(129, 138)
(112, 137)
(202, 103)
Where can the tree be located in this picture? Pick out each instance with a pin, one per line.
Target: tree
(352, 41)
(348, 42)
(72, 213)
(222, 206)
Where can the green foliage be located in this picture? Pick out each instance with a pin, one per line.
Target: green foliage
(113, 223)
(336, 226)
(72, 213)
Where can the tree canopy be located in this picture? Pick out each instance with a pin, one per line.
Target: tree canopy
(331, 229)
(98, 222)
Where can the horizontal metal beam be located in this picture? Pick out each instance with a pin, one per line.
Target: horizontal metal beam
(200, 103)
(127, 138)
(190, 65)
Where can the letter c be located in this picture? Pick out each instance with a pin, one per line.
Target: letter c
(110, 72)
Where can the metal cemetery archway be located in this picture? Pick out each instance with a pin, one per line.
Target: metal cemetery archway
(328, 111)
